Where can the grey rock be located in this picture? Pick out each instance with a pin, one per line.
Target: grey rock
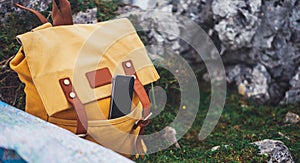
(276, 151)
(274, 43)
(251, 33)
(128, 10)
(87, 17)
(258, 40)
(238, 73)
(145, 4)
(295, 80)
(252, 82)
(293, 94)
(160, 24)
(126, 1)
(238, 22)
(170, 136)
(215, 148)
(291, 118)
(258, 84)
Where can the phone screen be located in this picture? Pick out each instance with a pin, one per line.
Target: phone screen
(121, 98)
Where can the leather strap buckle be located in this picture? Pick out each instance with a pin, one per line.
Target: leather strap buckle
(81, 135)
(143, 122)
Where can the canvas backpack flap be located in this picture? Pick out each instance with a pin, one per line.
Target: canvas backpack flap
(34, 104)
(73, 51)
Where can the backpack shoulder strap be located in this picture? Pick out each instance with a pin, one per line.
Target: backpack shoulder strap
(62, 16)
(36, 13)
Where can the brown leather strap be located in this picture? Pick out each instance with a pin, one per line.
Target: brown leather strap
(141, 93)
(71, 96)
(36, 13)
(139, 145)
(138, 87)
(62, 16)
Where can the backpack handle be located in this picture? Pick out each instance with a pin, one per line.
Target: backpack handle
(62, 16)
(139, 89)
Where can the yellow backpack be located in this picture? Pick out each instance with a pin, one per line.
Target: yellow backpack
(68, 69)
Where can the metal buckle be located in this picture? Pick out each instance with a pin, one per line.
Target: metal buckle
(141, 121)
(136, 123)
(133, 76)
(81, 135)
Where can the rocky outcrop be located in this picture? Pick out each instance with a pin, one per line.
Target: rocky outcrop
(252, 82)
(87, 17)
(269, 38)
(258, 41)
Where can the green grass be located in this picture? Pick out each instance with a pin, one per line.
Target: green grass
(240, 124)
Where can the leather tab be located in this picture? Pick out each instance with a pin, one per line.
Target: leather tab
(140, 91)
(128, 68)
(62, 16)
(138, 87)
(71, 96)
(99, 77)
(139, 146)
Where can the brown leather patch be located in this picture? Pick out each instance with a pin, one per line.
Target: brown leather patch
(128, 67)
(99, 77)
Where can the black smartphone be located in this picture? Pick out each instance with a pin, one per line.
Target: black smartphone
(121, 96)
